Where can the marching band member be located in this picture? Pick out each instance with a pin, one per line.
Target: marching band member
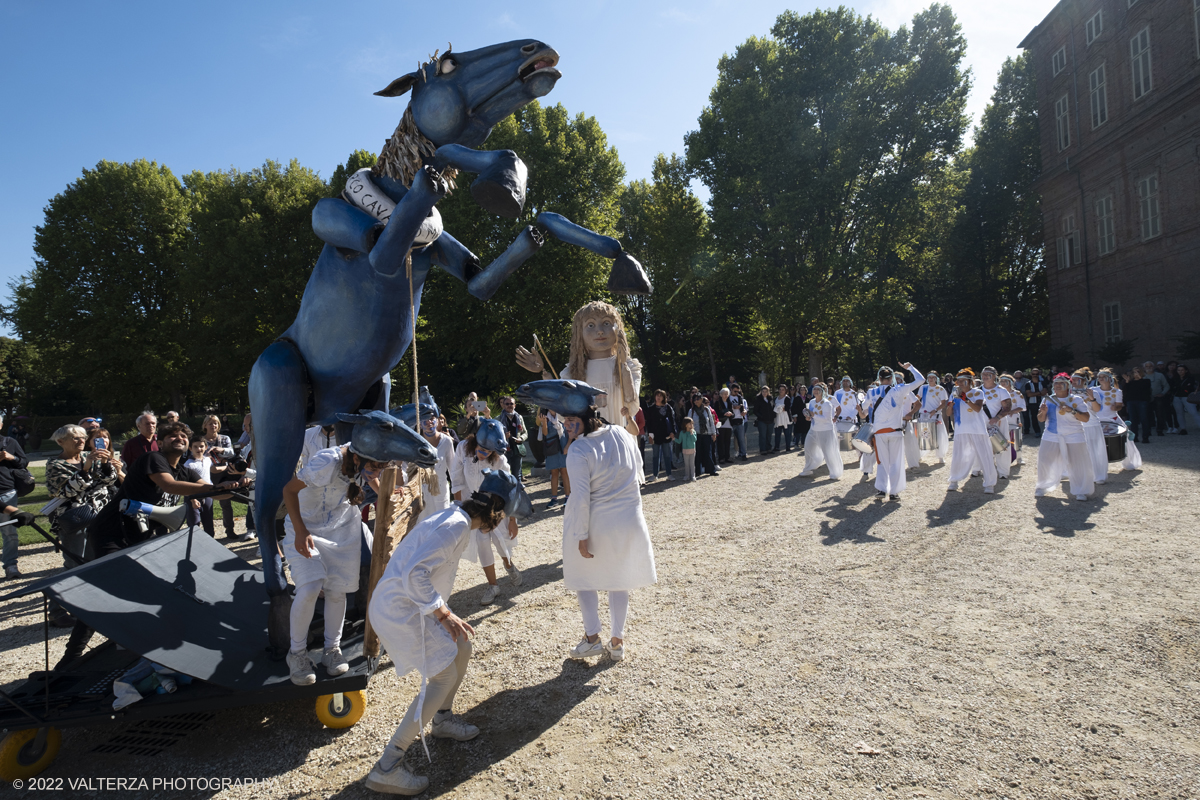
(971, 445)
(998, 402)
(1093, 435)
(850, 401)
(888, 404)
(1110, 399)
(933, 402)
(821, 445)
(1062, 446)
(1018, 413)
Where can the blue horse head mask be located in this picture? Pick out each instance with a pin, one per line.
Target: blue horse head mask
(459, 97)
(378, 436)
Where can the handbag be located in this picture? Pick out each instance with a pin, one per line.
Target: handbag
(23, 481)
(78, 517)
(1194, 398)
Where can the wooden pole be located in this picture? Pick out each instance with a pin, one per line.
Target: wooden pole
(395, 515)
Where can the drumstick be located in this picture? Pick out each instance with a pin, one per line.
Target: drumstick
(545, 357)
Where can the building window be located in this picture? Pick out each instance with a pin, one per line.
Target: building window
(1148, 207)
(1139, 60)
(1063, 122)
(1096, 24)
(1099, 96)
(1106, 234)
(1068, 244)
(1112, 322)
(1060, 60)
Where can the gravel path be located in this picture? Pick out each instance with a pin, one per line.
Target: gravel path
(803, 640)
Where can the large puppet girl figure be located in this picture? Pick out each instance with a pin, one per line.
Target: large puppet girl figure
(409, 611)
(606, 544)
(600, 356)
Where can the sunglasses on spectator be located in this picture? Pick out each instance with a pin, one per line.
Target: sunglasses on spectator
(92, 419)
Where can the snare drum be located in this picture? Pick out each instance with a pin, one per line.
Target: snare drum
(926, 435)
(1115, 437)
(861, 440)
(999, 443)
(845, 428)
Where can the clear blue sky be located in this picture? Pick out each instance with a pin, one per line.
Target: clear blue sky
(216, 85)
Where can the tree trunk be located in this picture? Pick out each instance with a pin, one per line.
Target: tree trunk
(816, 363)
(177, 401)
(712, 363)
(794, 348)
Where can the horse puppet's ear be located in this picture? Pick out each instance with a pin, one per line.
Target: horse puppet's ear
(399, 86)
(353, 419)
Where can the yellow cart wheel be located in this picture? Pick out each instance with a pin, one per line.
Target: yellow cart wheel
(341, 710)
(22, 756)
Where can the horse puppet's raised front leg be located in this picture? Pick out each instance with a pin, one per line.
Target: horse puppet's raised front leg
(627, 276)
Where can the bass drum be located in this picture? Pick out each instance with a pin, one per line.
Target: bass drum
(1115, 438)
(862, 440)
(999, 443)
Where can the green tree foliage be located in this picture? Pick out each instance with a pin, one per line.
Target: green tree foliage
(694, 328)
(469, 345)
(988, 295)
(18, 374)
(249, 254)
(816, 145)
(103, 304)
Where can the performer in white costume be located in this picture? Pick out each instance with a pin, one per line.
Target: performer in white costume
(483, 450)
(998, 404)
(435, 491)
(886, 405)
(971, 445)
(410, 614)
(821, 444)
(933, 403)
(606, 544)
(1093, 435)
(1014, 423)
(1062, 448)
(317, 438)
(1111, 399)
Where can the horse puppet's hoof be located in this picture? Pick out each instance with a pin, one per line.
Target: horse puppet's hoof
(628, 276)
(500, 189)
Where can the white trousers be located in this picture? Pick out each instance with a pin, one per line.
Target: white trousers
(1093, 437)
(912, 451)
(1133, 456)
(972, 450)
(890, 478)
(618, 611)
(1055, 458)
(304, 605)
(866, 462)
(821, 447)
(484, 542)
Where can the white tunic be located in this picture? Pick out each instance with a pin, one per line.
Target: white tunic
(316, 440)
(466, 473)
(335, 525)
(444, 466)
(849, 401)
(600, 374)
(605, 508)
(932, 398)
(418, 579)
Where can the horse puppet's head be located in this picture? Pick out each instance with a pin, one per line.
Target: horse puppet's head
(458, 97)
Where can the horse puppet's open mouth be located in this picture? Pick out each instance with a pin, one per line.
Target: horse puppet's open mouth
(543, 62)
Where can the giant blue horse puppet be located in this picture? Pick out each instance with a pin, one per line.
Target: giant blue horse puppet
(356, 316)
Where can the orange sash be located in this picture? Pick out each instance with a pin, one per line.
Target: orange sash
(873, 445)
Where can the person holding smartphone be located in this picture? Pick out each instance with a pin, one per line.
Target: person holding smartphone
(85, 476)
(476, 409)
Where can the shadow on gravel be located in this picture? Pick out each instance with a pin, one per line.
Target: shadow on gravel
(958, 505)
(791, 487)
(853, 524)
(533, 578)
(1064, 516)
(508, 721)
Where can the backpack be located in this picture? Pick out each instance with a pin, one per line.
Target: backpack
(22, 479)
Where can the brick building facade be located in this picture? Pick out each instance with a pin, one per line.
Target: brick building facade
(1118, 84)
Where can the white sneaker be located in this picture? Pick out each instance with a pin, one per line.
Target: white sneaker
(670, 477)
(334, 662)
(805, 474)
(953, 487)
(988, 490)
(397, 780)
(941, 461)
(586, 649)
(1039, 493)
(615, 653)
(445, 726)
(514, 575)
(489, 595)
(301, 666)
(1081, 497)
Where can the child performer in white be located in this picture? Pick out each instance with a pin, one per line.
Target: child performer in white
(998, 404)
(971, 444)
(1110, 399)
(1014, 423)
(1062, 447)
(484, 449)
(933, 403)
(821, 444)
(323, 543)
(436, 491)
(409, 613)
(889, 403)
(1093, 435)
(606, 544)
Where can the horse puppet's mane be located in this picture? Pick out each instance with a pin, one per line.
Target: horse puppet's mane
(407, 149)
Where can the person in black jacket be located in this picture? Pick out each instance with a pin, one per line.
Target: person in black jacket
(661, 429)
(764, 418)
(12, 456)
(782, 409)
(724, 409)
